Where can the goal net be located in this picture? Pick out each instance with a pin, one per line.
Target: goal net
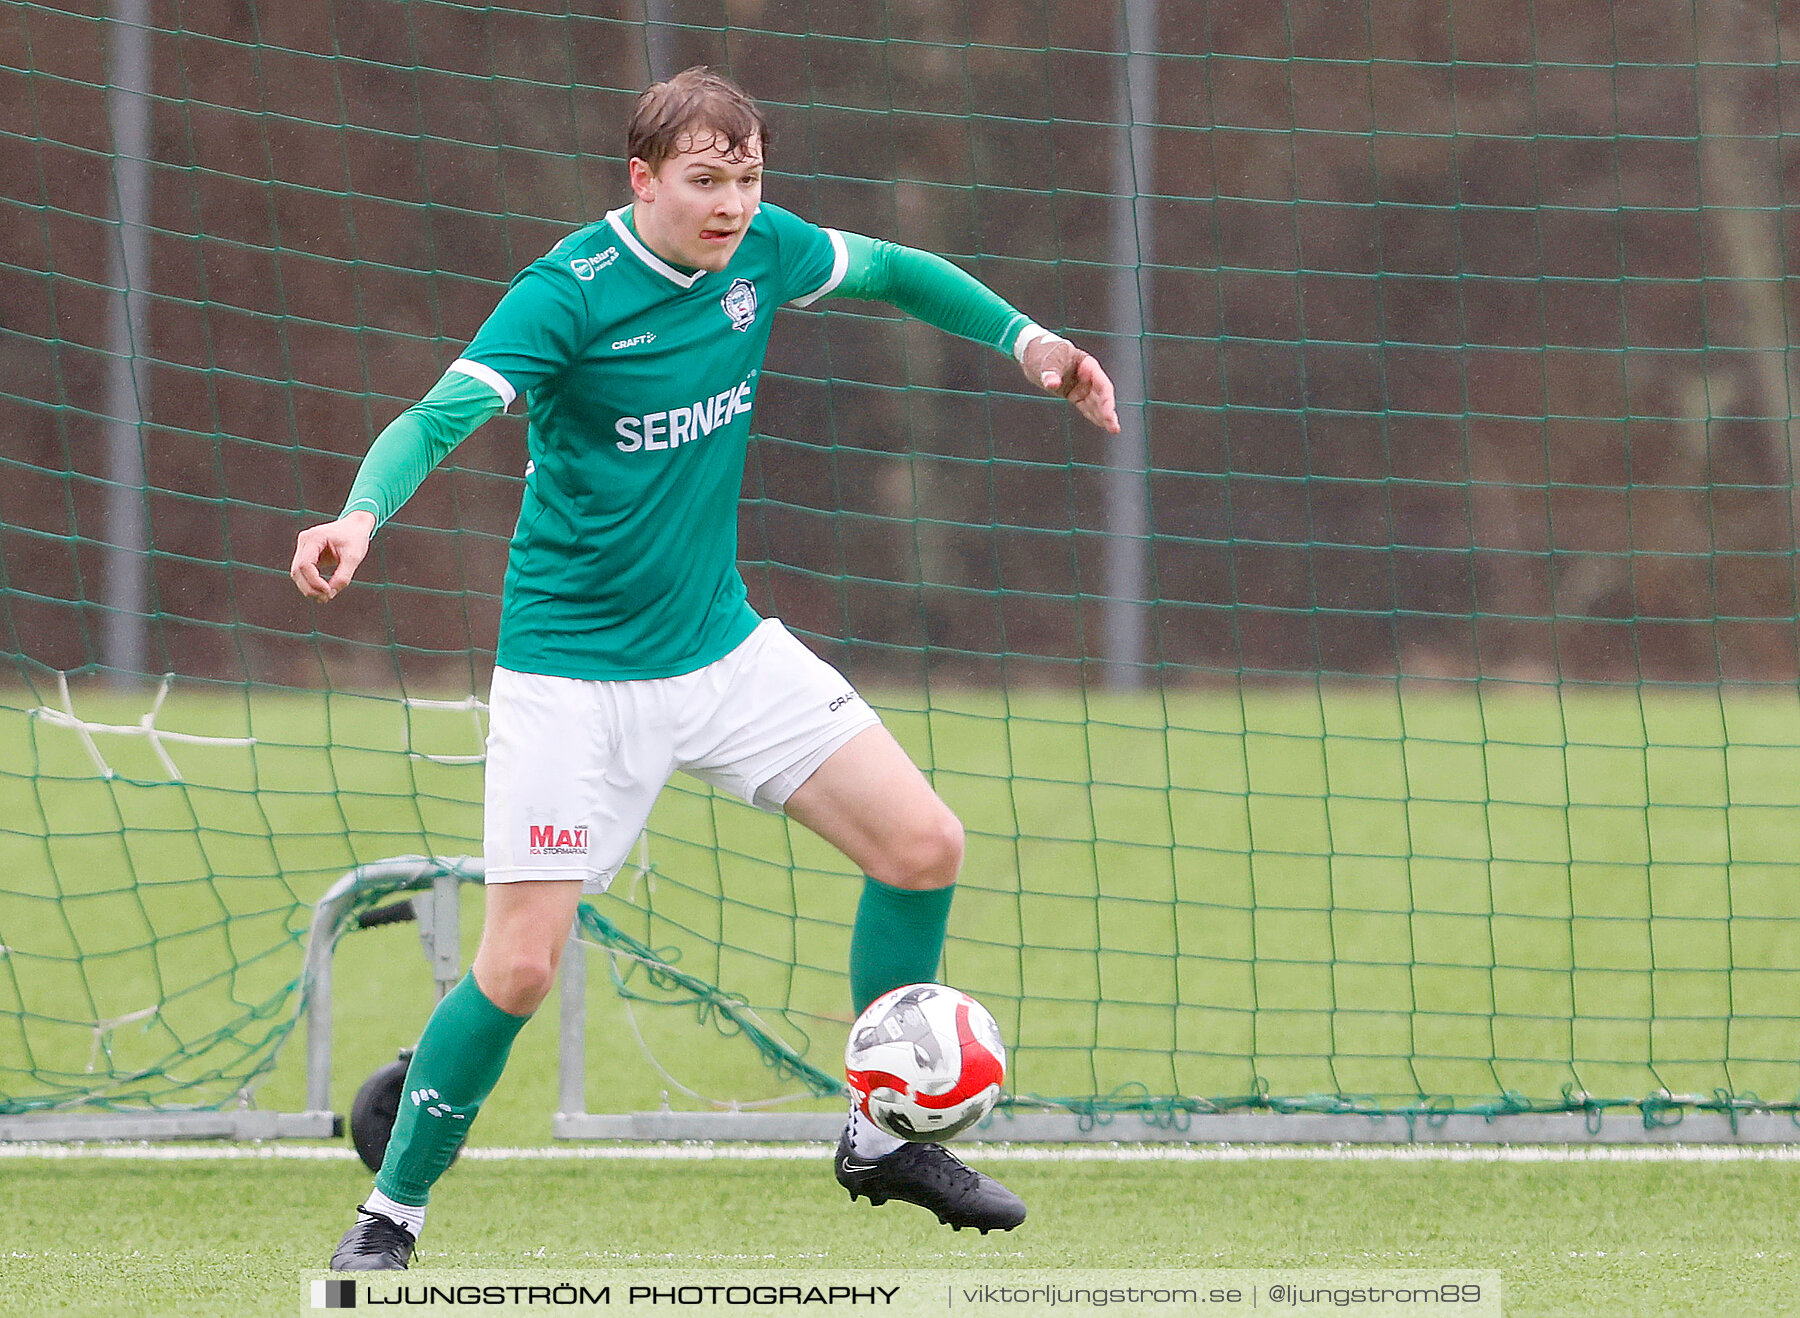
(1399, 716)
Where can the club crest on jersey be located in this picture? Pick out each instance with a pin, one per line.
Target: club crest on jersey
(740, 304)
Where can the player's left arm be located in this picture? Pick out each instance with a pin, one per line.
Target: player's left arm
(935, 291)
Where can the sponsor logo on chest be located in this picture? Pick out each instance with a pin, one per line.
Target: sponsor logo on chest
(585, 268)
(683, 425)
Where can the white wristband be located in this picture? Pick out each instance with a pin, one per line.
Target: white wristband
(1031, 334)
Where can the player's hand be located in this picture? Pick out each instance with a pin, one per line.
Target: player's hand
(1059, 367)
(336, 547)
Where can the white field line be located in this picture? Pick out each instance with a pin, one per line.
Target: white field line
(726, 1152)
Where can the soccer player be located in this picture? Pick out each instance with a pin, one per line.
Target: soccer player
(627, 649)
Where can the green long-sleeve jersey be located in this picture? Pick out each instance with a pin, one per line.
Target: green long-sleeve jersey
(639, 379)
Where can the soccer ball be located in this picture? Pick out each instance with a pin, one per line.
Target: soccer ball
(925, 1062)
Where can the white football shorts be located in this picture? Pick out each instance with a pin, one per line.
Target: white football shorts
(574, 766)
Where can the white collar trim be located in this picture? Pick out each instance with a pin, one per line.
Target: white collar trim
(648, 257)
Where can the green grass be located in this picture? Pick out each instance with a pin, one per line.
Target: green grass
(1365, 889)
(1370, 889)
(85, 1237)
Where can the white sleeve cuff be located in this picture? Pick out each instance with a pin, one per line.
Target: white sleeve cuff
(840, 265)
(1029, 334)
(488, 376)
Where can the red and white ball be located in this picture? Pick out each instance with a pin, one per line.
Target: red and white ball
(925, 1061)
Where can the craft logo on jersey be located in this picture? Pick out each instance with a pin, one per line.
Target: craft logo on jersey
(740, 304)
(549, 840)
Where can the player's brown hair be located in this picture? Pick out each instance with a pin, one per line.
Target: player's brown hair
(694, 102)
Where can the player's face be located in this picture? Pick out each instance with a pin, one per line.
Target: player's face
(694, 208)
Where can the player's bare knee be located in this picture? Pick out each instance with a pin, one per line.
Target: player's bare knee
(929, 856)
(517, 983)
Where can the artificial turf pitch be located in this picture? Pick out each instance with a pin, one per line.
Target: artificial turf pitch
(1454, 891)
(104, 1237)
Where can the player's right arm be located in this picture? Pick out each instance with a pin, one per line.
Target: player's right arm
(397, 463)
(531, 334)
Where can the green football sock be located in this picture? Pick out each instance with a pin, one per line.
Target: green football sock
(898, 938)
(457, 1063)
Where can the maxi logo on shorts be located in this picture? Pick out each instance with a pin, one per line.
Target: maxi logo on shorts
(549, 840)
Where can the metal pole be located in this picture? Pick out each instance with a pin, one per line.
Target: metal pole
(659, 45)
(1127, 553)
(571, 1068)
(125, 634)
